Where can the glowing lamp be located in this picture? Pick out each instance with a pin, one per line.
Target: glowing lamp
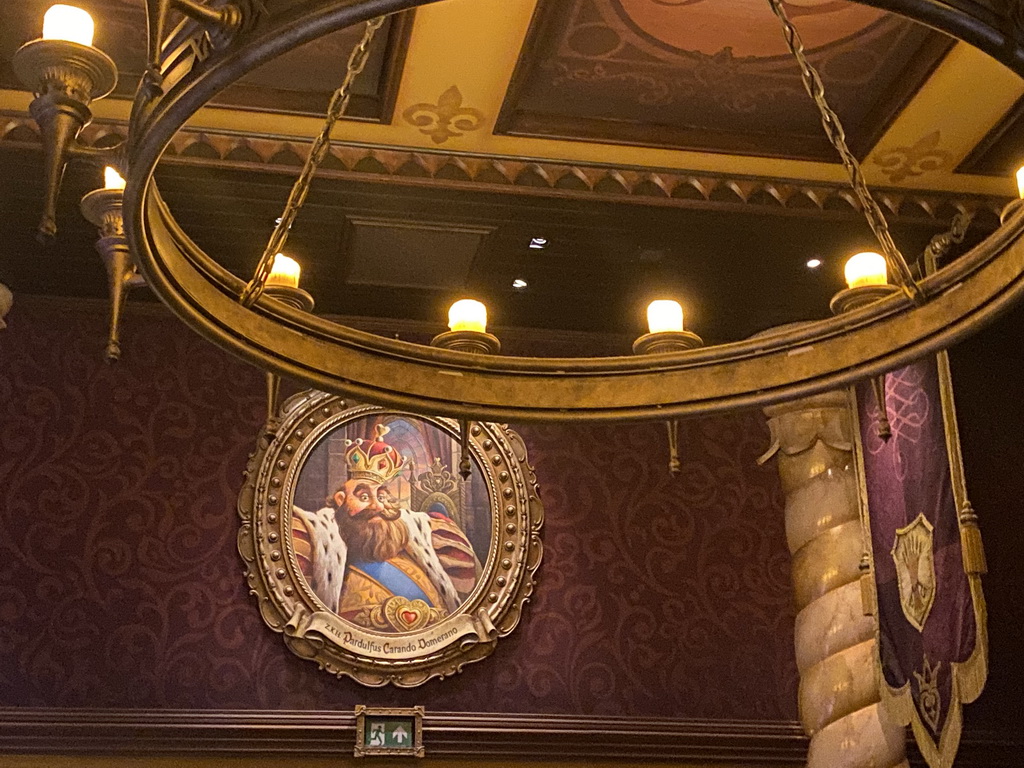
(66, 22)
(112, 179)
(664, 315)
(1020, 182)
(468, 315)
(866, 269)
(286, 272)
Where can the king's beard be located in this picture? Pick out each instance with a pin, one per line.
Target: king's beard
(373, 536)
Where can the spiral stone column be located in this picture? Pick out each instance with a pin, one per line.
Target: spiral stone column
(835, 641)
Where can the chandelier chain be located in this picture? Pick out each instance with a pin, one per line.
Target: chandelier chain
(837, 137)
(317, 153)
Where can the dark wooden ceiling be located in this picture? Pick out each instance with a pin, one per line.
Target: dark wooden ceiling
(737, 272)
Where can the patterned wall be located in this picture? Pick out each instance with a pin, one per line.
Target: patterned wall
(120, 585)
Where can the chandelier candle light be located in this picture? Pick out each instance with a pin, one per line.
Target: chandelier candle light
(467, 323)
(867, 280)
(283, 284)
(112, 179)
(665, 330)
(66, 22)
(285, 272)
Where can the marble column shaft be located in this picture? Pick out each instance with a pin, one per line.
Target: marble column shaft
(835, 641)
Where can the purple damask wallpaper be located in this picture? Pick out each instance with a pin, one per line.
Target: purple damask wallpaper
(120, 585)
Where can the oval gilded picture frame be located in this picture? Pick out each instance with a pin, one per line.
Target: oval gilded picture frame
(405, 571)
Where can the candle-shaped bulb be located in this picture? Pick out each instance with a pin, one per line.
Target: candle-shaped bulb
(66, 22)
(1020, 182)
(468, 315)
(112, 179)
(866, 269)
(664, 315)
(286, 272)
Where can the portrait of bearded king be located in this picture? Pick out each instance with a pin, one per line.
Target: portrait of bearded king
(375, 564)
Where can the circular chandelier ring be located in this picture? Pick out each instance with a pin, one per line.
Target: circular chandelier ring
(795, 362)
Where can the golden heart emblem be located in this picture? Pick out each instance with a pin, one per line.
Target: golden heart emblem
(406, 615)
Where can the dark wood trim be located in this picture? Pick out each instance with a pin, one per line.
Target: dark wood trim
(379, 108)
(394, 57)
(438, 169)
(525, 65)
(260, 100)
(978, 161)
(538, 125)
(446, 735)
(479, 735)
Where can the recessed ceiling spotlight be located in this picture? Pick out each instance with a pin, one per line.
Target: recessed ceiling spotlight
(538, 243)
(519, 284)
(814, 263)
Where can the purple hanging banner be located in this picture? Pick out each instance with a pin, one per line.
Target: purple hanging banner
(925, 554)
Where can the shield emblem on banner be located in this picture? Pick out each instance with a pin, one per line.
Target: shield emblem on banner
(913, 553)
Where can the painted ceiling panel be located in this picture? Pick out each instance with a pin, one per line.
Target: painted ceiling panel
(713, 76)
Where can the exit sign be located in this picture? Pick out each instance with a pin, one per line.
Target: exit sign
(389, 731)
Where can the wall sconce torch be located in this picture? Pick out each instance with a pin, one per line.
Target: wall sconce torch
(66, 74)
(102, 207)
(666, 334)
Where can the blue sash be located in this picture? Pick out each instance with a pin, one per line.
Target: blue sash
(393, 579)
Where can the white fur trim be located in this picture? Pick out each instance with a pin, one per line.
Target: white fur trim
(421, 550)
(329, 554)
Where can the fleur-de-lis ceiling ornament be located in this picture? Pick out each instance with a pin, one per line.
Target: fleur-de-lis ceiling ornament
(445, 119)
(905, 162)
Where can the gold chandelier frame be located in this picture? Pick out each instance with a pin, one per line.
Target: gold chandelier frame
(793, 362)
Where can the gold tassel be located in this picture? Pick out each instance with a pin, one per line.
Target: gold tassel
(970, 540)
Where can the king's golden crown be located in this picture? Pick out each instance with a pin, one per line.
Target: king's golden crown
(373, 460)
